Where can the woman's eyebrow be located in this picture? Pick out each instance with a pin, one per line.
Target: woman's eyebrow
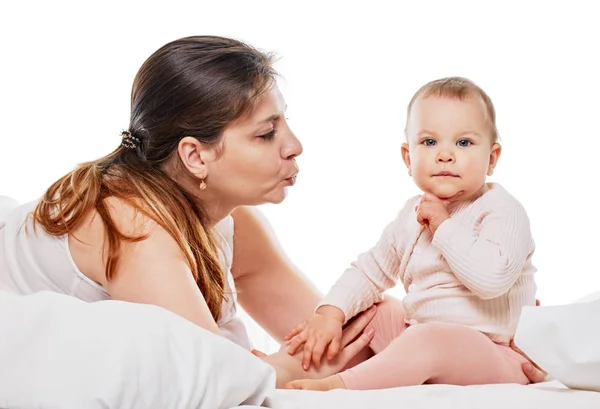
(271, 118)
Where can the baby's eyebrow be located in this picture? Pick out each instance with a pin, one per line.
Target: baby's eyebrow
(424, 132)
(474, 133)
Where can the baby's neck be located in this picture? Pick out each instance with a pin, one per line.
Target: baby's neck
(462, 200)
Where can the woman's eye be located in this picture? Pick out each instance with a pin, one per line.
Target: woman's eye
(268, 135)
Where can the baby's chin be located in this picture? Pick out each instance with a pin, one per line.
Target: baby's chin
(447, 194)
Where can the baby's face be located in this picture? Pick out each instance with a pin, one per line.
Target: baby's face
(450, 148)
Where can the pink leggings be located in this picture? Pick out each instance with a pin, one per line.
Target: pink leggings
(430, 353)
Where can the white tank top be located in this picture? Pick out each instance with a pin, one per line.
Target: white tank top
(35, 261)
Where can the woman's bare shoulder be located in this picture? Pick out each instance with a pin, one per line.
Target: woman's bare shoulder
(88, 242)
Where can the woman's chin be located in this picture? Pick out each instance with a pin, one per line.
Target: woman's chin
(279, 195)
(274, 196)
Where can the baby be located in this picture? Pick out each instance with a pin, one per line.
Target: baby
(462, 250)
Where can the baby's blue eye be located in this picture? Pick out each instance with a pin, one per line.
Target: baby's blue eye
(429, 142)
(463, 143)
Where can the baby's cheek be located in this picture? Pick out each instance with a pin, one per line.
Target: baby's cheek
(477, 168)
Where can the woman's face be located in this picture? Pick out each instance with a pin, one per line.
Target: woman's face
(257, 159)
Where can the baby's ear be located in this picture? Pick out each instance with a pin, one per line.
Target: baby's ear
(494, 157)
(406, 157)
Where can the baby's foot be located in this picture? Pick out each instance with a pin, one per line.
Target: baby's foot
(325, 384)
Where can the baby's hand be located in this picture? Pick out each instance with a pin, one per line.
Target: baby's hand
(322, 331)
(432, 211)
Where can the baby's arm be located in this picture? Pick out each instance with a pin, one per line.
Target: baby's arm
(488, 262)
(374, 272)
(357, 289)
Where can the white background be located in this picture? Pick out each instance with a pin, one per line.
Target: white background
(350, 69)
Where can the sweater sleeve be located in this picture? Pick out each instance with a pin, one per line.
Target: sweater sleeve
(375, 271)
(489, 262)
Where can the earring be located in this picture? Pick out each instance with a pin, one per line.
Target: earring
(202, 184)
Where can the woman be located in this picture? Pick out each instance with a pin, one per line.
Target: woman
(158, 219)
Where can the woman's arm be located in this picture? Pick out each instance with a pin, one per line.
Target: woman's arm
(154, 271)
(354, 341)
(151, 271)
(270, 288)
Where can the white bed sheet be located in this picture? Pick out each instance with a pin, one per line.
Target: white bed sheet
(546, 395)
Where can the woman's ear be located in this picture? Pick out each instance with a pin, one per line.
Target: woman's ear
(195, 156)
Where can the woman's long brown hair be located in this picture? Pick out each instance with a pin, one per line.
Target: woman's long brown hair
(194, 86)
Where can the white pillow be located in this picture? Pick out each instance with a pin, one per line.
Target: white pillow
(59, 352)
(7, 204)
(590, 297)
(565, 341)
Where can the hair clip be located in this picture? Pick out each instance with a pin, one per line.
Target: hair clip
(129, 141)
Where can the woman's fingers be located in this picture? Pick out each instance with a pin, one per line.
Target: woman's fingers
(531, 370)
(355, 347)
(357, 326)
(258, 353)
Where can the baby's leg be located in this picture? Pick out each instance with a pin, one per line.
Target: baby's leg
(437, 353)
(388, 324)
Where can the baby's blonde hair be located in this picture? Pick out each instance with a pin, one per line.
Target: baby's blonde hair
(457, 88)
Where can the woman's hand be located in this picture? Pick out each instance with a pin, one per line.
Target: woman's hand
(530, 369)
(288, 367)
(321, 332)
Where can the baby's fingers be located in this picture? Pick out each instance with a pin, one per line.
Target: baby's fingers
(318, 351)
(297, 342)
(334, 347)
(307, 354)
(295, 331)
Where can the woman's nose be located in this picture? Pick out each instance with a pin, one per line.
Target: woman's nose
(292, 147)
